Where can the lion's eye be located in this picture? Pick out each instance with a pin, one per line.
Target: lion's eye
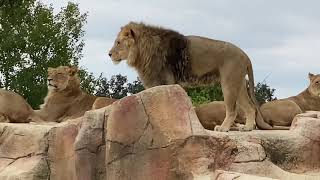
(118, 43)
(317, 82)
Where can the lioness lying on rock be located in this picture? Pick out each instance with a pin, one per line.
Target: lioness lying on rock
(15, 109)
(65, 99)
(278, 113)
(163, 56)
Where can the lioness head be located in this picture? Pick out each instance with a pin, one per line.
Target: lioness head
(314, 86)
(124, 46)
(62, 78)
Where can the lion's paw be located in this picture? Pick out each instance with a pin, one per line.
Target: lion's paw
(246, 128)
(221, 129)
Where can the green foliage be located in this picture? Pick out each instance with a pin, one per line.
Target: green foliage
(264, 93)
(33, 38)
(201, 95)
(135, 87)
(88, 81)
(118, 87)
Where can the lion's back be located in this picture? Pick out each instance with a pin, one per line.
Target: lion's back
(14, 107)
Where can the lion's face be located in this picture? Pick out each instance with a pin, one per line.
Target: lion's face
(314, 86)
(59, 78)
(123, 45)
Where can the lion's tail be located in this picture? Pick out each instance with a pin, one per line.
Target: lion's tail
(259, 119)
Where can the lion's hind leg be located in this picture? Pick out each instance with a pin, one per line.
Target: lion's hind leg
(230, 94)
(248, 108)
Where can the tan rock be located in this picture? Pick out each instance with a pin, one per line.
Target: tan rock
(37, 151)
(156, 135)
(156, 138)
(90, 146)
(226, 175)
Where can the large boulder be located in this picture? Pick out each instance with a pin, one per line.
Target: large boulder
(156, 133)
(37, 151)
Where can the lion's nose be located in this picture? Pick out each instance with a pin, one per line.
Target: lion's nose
(49, 79)
(110, 54)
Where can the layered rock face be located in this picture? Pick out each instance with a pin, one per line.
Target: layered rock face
(156, 135)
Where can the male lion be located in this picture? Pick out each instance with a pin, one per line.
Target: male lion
(15, 109)
(162, 56)
(65, 99)
(277, 113)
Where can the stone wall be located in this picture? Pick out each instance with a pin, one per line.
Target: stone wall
(156, 135)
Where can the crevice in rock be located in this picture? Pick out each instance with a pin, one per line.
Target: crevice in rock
(20, 157)
(236, 177)
(120, 157)
(48, 165)
(46, 153)
(103, 134)
(190, 120)
(19, 134)
(3, 131)
(84, 148)
(240, 162)
(143, 134)
(218, 175)
(145, 111)
(116, 142)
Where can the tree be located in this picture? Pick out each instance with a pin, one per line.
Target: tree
(201, 95)
(264, 93)
(33, 38)
(118, 87)
(135, 87)
(115, 87)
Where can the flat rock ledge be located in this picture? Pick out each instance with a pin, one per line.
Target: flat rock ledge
(156, 134)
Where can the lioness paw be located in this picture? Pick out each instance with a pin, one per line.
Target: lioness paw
(246, 128)
(221, 129)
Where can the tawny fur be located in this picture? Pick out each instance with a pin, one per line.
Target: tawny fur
(162, 56)
(277, 113)
(281, 112)
(212, 114)
(65, 99)
(14, 108)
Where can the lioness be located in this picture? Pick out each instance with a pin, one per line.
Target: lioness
(281, 112)
(65, 99)
(101, 102)
(15, 109)
(162, 56)
(278, 112)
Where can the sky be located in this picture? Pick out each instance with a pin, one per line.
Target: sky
(282, 38)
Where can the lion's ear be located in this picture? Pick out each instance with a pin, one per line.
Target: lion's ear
(311, 76)
(130, 33)
(73, 70)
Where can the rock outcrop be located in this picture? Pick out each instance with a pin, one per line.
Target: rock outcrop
(156, 135)
(37, 151)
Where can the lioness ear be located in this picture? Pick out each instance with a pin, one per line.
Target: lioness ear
(73, 70)
(50, 69)
(311, 76)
